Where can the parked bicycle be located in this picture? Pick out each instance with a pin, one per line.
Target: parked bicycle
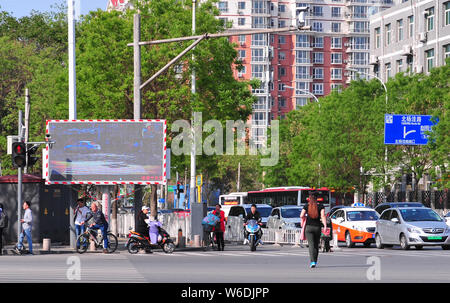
(90, 234)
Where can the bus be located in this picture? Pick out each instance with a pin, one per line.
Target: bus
(227, 201)
(291, 195)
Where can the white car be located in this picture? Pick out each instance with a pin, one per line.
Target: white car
(447, 218)
(285, 217)
(355, 225)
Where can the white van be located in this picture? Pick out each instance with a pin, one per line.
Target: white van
(232, 199)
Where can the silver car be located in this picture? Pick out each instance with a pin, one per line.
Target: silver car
(411, 226)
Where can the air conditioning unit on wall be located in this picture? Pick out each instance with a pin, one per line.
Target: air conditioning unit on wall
(422, 37)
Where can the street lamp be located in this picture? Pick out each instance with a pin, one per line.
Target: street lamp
(386, 98)
(304, 91)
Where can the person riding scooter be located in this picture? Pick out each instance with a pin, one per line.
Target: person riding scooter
(253, 215)
(142, 224)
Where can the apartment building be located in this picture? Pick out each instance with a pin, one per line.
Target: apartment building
(292, 66)
(414, 36)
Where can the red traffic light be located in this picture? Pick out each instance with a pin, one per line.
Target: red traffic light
(19, 149)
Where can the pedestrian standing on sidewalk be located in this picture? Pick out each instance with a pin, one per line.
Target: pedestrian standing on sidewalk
(27, 225)
(219, 229)
(80, 218)
(314, 213)
(3, 225)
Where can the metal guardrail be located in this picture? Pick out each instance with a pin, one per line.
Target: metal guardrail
(234, 230)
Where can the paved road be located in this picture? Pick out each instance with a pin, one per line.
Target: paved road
(237, 264)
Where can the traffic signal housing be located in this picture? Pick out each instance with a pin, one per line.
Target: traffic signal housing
(31, 159)
(19, 154)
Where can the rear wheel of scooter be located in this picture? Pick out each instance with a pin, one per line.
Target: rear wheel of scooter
(168, 247)
(133, 247)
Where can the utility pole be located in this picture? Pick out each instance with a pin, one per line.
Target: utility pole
(27, 121)
(137, 97)
(238, 186)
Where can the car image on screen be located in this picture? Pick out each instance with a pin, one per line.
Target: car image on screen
(82, 146)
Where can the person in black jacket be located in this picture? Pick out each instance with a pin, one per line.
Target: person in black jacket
(99, 223)
(252, 215)
(142, 225)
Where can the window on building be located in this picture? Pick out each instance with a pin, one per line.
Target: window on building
(409, 64)
(359, 43)
(302, 41)
(302, 72)
(317, 27)
(446, 51)
(377, 37)
(241, 5)
(281, 71)
(430, 18)
(301, 88)
(259, 40)
(429, 54)
(336, 87)
(241, 54)
(360, 58)
(257, 71)
(447, 13)
(336, 74)
(318, 58)
(241, 39)
(259, 22)
(399, 65)
(360, 11)
(259, 7)
(336, 27)
(281, 102)
(241, 21)
(257, 55)
(223, 7)
(336, 42)
(317, 11)
(302, 57)
(387, 68)
(336, 58)
(299, 102)
(387, 30)
(260, 104)
(360, 27)
(242, 71)
(400, 30)
(410, 26)
(335, 12)
(281, 23)
(281, 56)
(281, 87)
(281, 39)
(317, 88)
(318, 73)
(318, 42)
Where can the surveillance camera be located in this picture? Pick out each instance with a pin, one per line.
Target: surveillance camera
(301, 16)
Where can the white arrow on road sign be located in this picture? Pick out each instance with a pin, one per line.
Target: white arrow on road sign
(407, 133)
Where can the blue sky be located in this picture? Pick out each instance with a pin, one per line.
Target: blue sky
(20, 8)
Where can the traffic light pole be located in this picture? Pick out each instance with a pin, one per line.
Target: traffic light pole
(19, 182)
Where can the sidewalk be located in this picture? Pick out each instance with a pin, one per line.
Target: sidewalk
(66, 249)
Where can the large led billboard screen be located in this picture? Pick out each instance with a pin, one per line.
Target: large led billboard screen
(105, 152)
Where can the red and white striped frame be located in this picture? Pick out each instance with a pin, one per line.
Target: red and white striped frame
(45, 165)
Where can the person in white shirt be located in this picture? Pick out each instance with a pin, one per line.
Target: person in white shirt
(27, 224)
(80, 215)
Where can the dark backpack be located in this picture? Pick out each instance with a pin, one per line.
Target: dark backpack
(3, 220)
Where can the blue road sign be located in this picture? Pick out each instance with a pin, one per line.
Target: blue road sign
(407, 129)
